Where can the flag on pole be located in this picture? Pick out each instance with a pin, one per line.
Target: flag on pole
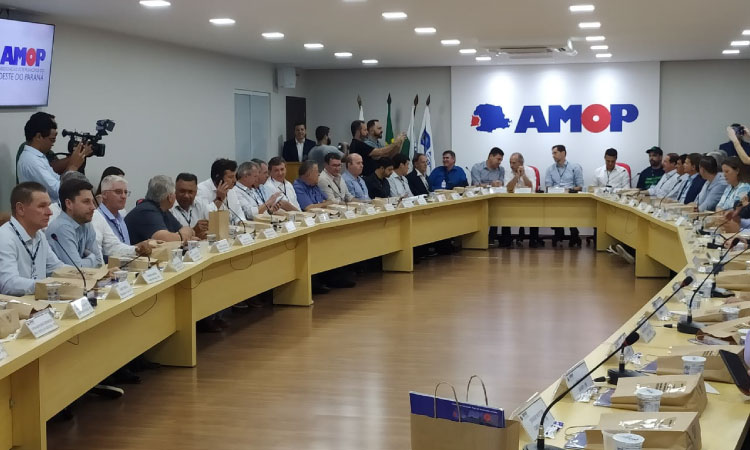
(407, 149)
(426, 145)
(389, 124)
(361, 111)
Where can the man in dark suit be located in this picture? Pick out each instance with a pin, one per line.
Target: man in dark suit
(297, 149)
(417, 178)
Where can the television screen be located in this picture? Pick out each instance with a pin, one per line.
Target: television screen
(25, 62)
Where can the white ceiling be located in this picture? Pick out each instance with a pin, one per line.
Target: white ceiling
(636, 30)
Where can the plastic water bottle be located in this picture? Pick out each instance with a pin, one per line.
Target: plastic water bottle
(442, 185)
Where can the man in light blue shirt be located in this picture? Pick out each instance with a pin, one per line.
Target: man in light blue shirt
(33, 165)
(72, 236)
(489, 173)
(566, 175)
(669, 180)
(714, 186)
(25, 256)
(353, 177)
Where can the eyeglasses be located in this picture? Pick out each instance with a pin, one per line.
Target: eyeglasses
(124, 192)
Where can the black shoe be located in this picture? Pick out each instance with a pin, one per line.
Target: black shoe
(342, 283)
(207, 326)
(221, 323)
(107, 391)
(63, 416)
(533, 244)
(126, 376)
(555, 241)
(575, 242)
(320, 289)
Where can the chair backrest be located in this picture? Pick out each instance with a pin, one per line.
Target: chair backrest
(627, 167)
(538, 179)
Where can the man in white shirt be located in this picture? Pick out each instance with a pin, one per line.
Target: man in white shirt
(398, 181)
(216, 193)
(253, 198)
(277, 182)
(521, 177)
(667, 182)
(610, 174)
(331, 183)
(111, 232)
(187, 211)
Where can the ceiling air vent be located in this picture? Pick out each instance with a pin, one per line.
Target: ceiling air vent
(532, 51)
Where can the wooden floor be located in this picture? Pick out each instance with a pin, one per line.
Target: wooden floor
(337, 375)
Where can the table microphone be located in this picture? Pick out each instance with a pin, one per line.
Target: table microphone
(85, 288)
(631, 339)
(688, 326)
(713, 243)
(242, 221)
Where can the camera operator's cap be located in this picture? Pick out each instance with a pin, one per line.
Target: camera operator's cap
(656, 150)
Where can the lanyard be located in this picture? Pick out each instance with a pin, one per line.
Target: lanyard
(188, 218)
(559, 174)
(684, 185)
(338, 189)
(31, 255)
(260, 192)
(252, 197)
(116, 223)
(403, 184)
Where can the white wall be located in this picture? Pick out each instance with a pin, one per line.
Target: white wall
(332, 99)
(699, 99)
(174, 106)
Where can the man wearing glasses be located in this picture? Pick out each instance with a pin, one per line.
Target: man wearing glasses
(111, 232)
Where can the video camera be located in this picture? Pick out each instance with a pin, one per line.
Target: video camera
(739, 130)
(103, 126)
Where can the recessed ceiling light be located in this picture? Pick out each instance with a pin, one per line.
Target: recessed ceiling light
(740, 43)
(604, 55)
(369, 62)
(394, 15)
(449, 42)
(342, 54)
(155, 3)
(222, 21)
(483, 58)
(425, 30)
(581, 8)
(600, 47)
(594, 38)
(730, 51)
(588, 25)
(313, 46)
(274, 35)
(746, 33)
(467, 51)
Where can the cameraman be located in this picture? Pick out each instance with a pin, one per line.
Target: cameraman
(739, 142)
(34, 164)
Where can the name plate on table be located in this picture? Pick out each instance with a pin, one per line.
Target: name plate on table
(122, 290)
(370, 210)
(624, 200)
(243, 240)
(522, 190)
(557, 190)
(440, 198)
(269, 233)
(290, 227)
(221, 246)
(580, 393)
(502, 190)
(421, 201)
(150, 276)
(633, 202)
(408, 203)
(663, 312)
(455, 196)
(389, 207)
(530, 416)
(3, 353)
(349, 214)
(39, 325)
(78, 309)
(309, 222)
(680, 220)
(647, 331)
(323, 218)
(470, 194)
(193, 255)
(175, 265)
(629, 352)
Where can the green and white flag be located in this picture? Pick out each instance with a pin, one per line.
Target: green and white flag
(389, 124)
(361, 111)
(425, 138)
(410, 144)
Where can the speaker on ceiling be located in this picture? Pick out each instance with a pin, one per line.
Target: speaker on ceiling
(286, 77)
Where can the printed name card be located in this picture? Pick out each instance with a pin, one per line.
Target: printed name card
(647, 331)
(309, 222)
(662, 313)
(470, 194)
(421, 201)
(530, 416)
(440, 198)
(455, 196)
(39, 325)
(150, 276)
(633, 202)
(290, 227)
(556, 190)
(629, 352)
(370, 210)
(408, 203)
(122, 290)
(270, 233)
(221, 246)
(323, 218)
(193, 255)
(349, 214)
(501, 190)
(243, 240)
(389, 207)
(680, 220)
(78, 309)
(580, 393)
(522, 190)
(175, 265)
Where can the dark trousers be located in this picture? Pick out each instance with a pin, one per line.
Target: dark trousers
(505, 234)
(560, 232)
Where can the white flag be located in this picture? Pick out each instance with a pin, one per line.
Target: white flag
(426, 145)
(412, 143)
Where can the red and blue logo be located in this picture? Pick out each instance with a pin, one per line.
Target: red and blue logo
(22, 56)
(594, 118)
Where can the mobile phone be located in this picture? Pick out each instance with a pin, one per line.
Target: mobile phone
(737, 370)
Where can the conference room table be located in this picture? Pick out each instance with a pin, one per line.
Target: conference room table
(41, 376)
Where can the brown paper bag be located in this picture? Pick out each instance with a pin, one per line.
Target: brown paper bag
(681, 392)
(9, 322)
(725, 331)
(662, 430)
(442, 434)
(714, 314)
(714, 370)
(27, 308)
(218, 224)
(133, 265)
(92, 275)
(735, 280)
(70, 288)
(162, 252)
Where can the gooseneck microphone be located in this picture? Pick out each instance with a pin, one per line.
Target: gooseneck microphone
(242, 221)
(80, 272)
(631, 339)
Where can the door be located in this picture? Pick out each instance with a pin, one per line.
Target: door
(296, 112)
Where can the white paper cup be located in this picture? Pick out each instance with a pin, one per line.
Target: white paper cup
(211, 238)
(730, 312)
(692, 365)
(743, 331)
(53, 291)
(177, 255)
(628, 441)
(649, 399)
(192, 245)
